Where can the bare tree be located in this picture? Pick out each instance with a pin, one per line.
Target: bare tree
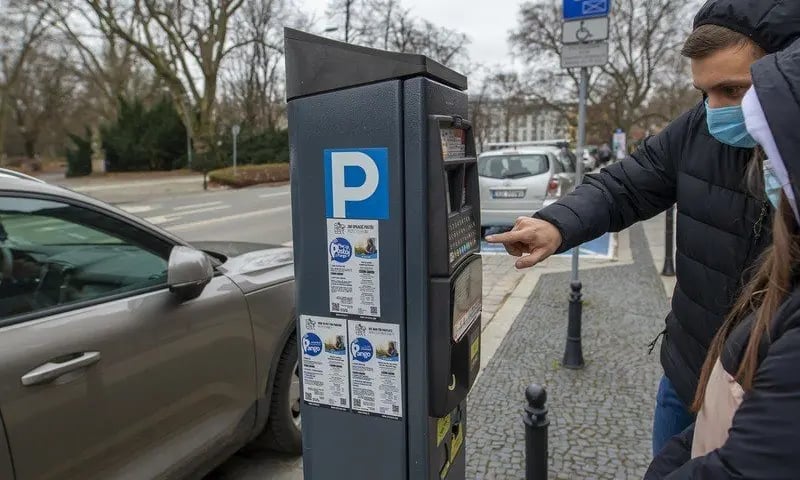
(41, 97)
(506, 88)
(22, 26)
(644, 35)
(185, 41)
(254, 81)
(385, 23)
(110, 66)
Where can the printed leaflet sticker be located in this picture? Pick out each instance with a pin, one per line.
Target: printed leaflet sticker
(354, 267)
(324, 361)
(376, 385)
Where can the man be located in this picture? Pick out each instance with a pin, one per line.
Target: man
(699, 161)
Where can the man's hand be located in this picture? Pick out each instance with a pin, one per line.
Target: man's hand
(531, 239)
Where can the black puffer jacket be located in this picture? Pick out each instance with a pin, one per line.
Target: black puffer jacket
(764, 439)
(721, 227)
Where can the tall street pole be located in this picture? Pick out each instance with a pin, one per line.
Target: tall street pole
(573, 353)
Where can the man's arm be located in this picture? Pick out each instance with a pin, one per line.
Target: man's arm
(673, 456)
(637, 188)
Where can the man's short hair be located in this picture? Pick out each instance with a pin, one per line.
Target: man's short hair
(707, 40)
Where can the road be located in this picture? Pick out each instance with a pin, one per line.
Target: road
(260, 214)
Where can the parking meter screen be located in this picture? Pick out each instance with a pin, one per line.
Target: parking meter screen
(467, 304)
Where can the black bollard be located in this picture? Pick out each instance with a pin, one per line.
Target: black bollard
(573, 352)
(669, 263)
(536, 423)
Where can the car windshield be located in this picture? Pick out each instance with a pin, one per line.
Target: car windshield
(513, 166)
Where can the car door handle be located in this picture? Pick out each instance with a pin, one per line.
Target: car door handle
(54, 369)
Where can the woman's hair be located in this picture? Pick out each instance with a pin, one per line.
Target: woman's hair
(763, 295)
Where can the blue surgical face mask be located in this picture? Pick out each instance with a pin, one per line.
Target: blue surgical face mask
(727, 125)
(772, 185)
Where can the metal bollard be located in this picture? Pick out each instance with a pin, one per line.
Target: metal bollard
(536, 423)
(573, 351)
(669, 263)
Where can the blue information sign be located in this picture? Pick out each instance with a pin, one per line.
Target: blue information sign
(577, 9)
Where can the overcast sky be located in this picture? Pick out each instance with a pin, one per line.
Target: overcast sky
(487, 23)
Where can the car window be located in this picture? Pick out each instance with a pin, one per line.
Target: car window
(513, 166)
(568, 160)
(558, 167)
(54, 254)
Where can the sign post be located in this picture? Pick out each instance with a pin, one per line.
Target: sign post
(585, 45)
(235, 130)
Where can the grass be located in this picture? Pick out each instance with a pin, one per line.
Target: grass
(249, 175)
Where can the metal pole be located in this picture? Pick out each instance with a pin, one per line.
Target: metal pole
(536, 425)
(669, 263)
(573, 353)
(234, 154)
(188, 138)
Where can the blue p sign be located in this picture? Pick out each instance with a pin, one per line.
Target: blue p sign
(356, 183)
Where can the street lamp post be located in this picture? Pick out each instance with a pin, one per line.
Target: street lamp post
(235, 130)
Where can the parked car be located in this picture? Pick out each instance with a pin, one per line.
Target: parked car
(127, 353)
(521, 180)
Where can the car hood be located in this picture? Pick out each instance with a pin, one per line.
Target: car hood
(253, 266)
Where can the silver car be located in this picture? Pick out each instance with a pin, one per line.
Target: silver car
(519, 181)
(126, 353)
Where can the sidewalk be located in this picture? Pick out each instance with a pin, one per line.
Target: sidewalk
(601, 416)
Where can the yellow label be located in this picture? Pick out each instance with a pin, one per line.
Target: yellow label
(445, 469)
(475, 348)
(442, 427)
(458, 440)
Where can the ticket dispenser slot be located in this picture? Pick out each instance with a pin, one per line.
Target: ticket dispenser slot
(454, 264)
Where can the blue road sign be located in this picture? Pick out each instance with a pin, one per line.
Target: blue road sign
(577, 9)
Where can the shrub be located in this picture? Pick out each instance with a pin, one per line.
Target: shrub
(256, 147)
(143, 138)
(248, 175)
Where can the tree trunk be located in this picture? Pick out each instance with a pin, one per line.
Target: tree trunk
(2, 130)
(29, 142)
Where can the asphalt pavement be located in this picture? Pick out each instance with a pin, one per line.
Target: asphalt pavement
(259, 214)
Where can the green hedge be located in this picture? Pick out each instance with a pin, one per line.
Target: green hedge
(248, 175)
(256, 147)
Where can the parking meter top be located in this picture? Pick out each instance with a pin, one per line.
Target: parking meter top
(317, 65)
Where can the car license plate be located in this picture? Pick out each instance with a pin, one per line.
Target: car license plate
(508, 193)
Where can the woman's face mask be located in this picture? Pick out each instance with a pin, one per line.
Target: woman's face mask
(727, 125)
(772, 185)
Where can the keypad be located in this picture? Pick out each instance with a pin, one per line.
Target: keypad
(462, 235)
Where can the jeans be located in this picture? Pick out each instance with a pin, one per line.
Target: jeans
(671, 415)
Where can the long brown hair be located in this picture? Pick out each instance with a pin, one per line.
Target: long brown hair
(763, 295)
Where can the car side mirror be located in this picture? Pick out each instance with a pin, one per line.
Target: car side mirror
(188, 273)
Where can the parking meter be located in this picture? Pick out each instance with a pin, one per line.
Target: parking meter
(386, 229)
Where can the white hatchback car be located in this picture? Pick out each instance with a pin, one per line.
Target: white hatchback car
(519, 181)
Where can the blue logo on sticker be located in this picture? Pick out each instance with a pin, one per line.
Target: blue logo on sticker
(357, 183)
(312, 345)
(340, 250)
(361, 350)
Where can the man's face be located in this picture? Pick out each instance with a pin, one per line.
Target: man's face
(725, 75)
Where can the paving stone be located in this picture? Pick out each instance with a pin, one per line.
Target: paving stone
(601, 416)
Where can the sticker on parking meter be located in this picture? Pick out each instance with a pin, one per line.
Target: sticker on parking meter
(354, 267)
(323, 346)
(376, 383)
(453, 143)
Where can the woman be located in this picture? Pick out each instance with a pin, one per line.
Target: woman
(748, 398)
